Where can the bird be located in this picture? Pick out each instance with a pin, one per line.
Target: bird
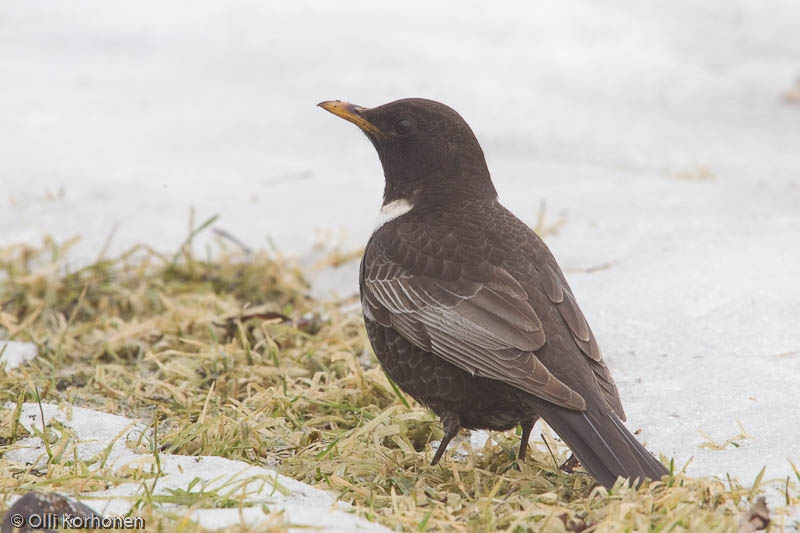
(465, 306)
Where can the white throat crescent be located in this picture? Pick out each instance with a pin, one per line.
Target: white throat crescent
(392, 210)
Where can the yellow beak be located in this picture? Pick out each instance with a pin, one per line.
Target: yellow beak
(351, 113)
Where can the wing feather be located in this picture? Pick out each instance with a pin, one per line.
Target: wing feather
(475, 314)
(558, 293)
(488, 329)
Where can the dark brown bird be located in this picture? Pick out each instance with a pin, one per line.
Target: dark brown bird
(465, 306)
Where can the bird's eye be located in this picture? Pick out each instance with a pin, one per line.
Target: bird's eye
(403, 126)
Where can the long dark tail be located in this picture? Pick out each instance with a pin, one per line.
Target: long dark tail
(605, 447)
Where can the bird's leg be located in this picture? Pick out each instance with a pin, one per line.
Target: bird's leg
(527, 426)
(451, 425)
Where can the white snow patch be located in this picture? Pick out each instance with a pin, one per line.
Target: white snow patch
(14, 353)
(104, 436)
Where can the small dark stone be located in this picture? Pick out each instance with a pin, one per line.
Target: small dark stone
(37, 511)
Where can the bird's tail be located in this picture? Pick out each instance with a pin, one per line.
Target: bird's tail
(604, 446)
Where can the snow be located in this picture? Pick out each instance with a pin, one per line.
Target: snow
(658, 132)
(102, 435)
(14, 353)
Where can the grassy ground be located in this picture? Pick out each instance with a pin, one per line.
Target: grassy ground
(229, 357)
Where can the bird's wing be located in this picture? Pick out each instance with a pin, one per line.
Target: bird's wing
(557, 290)
(479, 318)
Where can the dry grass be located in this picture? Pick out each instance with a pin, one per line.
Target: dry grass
(229, 357)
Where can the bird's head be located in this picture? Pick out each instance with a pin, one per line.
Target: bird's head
(427, 150)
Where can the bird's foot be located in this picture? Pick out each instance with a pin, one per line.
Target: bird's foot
(571, 464)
